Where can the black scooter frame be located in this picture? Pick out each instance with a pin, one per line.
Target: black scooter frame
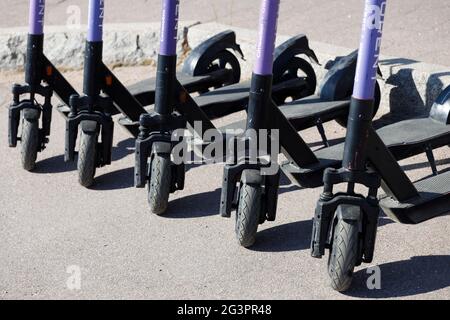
(374, 166)
(98, 78)
(38, 69)
(292, 145)
(175, 108)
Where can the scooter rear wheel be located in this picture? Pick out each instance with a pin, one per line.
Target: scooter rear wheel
(343, 255)
(248, 214)
(159, 184)
(296, 68)
(87, 159)
(29, 144)
(222, 60)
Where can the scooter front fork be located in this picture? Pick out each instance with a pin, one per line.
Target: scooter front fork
(155, 136)
(31, 111)
(245, 172)
(94, 115)
(326, 211)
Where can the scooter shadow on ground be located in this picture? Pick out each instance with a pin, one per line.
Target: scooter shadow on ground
(421, 165)
(207, 203)
(402, 96)
(57, 164)
(418, 275)
(405, 93)
(332, 142)
(194, 206)
(294, 236)
(119, 179)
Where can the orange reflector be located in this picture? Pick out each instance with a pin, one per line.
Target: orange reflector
(108, 80)
(49, 70)
(183, 97)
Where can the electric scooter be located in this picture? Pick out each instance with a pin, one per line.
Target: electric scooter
(244, 187)
(305, 167)
(210, 65)
(38, 70)
(94, 117)
(176, 109)
(346, 222)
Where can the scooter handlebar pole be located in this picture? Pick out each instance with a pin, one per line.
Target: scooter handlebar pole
(169, 28)
(266, 39)
(261, 86)
(35, 44)
(94, 49)
(167, 59)
(36, 17)
(95, 20)
(369, 50)
(361, 107)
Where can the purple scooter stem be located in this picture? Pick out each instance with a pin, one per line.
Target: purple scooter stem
(267, 36)
(36, 17)
(169, 28)
(369, 50)
(95, 20)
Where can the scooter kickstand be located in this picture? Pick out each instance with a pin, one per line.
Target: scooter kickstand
(321, 130)
(431, 159)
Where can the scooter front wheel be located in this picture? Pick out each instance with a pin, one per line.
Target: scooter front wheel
(160, 182)
(29, 144)
(87, 159)
(343, 255)
(248, 213)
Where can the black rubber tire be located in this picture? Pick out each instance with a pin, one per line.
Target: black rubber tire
(343, 255)
(87, 159)
(227, 58)
(220, 61)
(29, 144)
(160, 183)
(291, 72)
(248, 214)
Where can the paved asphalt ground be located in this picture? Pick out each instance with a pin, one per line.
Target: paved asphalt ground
(49, 223)
(414, 29)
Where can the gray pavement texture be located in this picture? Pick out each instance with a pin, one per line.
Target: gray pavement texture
(49, 223)
(414, 29)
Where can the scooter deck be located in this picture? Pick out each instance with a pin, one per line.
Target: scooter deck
(224, 101)
(404, 139)
(306, 113)
(433, 201)
(233, 98)
(144, 91)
